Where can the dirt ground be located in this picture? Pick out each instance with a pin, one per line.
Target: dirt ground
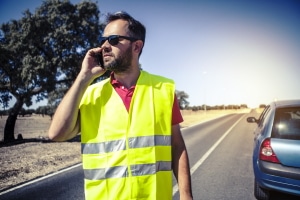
(36, 156)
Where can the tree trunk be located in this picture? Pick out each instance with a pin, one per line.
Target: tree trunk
(9, 129)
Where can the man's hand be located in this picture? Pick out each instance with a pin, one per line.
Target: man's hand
(91, 68)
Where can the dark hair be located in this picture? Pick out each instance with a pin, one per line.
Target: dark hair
(136, 29)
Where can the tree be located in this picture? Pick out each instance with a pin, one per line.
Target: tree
(181, 97)
(262, 105)
(42, 52)
(244, 106)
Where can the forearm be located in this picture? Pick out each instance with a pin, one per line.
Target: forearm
(183, 175)
(65, 123)
(181, 166)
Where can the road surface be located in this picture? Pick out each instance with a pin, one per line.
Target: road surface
(220, 160)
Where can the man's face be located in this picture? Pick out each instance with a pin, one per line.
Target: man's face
(117, 58)
(120, 63)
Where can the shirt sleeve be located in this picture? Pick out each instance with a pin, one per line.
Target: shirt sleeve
(176, 114)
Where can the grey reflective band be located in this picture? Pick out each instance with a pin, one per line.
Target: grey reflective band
(103, 147)
(149, 141)
(147, 169)
(119, 145)
(121, 171)
(104, 173)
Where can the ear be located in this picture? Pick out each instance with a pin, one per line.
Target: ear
(138, 46)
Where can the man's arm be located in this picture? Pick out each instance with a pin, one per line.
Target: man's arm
(180, 162)
(65, 123)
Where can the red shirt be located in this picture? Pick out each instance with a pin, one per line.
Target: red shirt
(126, 96)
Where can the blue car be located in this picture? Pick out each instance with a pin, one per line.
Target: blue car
(276, 153)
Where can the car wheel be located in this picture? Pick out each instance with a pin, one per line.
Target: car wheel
(260, 193)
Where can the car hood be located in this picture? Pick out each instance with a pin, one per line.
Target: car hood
(287, 151)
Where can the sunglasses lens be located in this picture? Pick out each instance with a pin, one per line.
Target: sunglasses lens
(102, 40)
(113, 40)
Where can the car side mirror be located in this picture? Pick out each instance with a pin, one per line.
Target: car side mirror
(252, 120)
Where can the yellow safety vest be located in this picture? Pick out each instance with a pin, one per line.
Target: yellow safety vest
(127, 155)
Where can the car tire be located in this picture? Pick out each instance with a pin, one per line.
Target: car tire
(260, 193)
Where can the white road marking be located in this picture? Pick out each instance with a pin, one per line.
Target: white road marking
(206, 155)
(41, 178)
(175, 188)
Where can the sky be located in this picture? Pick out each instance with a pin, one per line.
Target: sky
(217, 51)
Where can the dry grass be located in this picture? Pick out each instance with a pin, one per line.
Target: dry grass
(34, 126)
(36, 156)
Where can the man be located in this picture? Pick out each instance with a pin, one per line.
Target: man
(129, 123)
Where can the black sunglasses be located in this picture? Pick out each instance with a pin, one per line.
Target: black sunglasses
(114, 39)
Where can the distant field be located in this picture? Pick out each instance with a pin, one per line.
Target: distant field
(37, 126)
(30, 127)
(192, 117)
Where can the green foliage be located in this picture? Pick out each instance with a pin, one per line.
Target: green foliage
(42, 52)
(244, 106)
(217, 107)
(5, 97)
(45, 110)
(262, 105)
(24, 112)
(182, 99)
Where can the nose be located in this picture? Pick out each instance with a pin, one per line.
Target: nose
(106, 46)
(106, 49)
(105, 43)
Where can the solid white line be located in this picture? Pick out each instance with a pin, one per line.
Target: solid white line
(175, 188)
(205, 156)
(41, 178)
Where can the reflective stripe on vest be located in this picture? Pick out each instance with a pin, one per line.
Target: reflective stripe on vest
(128, 154)
(121, 171)
(104, 173)
(103, 147)
(119, 145)
(149, 141)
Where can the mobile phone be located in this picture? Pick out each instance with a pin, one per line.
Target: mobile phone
(100, 60)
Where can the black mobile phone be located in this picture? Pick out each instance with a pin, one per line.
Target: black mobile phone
(100, 60)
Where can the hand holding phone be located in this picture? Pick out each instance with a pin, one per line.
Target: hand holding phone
(92, 63)
(100, 60)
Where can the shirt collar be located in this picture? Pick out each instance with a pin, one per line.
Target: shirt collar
(115, 83)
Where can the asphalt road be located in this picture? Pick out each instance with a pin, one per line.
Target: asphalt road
(220, 160)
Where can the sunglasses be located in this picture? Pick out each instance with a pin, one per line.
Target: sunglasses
(114, 39)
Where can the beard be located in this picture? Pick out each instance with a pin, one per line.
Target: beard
(120, 64)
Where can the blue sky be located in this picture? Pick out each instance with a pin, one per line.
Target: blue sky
(217, 51)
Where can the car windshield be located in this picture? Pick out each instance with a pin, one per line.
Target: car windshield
(287, 123)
